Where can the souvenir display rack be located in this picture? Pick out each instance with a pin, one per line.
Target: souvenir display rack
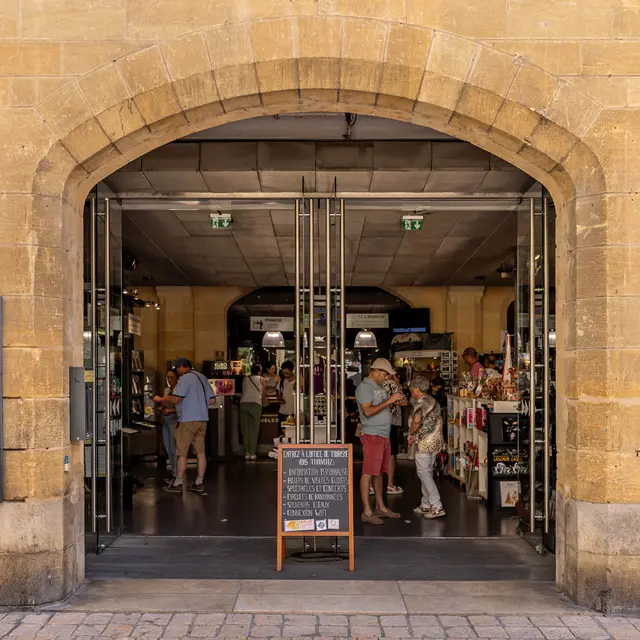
(476, 445)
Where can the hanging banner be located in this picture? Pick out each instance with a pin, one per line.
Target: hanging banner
(367, 320)
(271, 323)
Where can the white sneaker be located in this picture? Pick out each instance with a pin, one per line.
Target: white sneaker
(435, 513)
(421, 511)
(394, 491)
(273, 454)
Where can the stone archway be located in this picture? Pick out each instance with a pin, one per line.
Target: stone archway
(105, 118)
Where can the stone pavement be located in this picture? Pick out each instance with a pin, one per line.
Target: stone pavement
(153, 626)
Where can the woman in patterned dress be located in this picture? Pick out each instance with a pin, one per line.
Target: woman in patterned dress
(425, 431)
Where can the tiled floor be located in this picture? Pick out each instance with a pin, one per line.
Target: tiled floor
(246, 625)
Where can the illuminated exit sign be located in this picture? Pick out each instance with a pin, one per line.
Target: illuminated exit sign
(412, 223)
(220, 220)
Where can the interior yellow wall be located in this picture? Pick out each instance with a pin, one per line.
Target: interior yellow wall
(192, 321)
(475, 315)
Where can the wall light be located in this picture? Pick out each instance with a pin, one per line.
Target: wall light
(273, 340)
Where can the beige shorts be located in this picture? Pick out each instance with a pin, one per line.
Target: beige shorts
(188, 433)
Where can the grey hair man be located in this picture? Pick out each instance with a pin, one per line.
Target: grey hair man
(425, 431)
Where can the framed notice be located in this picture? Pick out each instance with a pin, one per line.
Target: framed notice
(315, 494)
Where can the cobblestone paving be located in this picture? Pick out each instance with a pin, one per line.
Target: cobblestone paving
(179, 626)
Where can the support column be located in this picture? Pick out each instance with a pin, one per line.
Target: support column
(42, 516)
(598, 503)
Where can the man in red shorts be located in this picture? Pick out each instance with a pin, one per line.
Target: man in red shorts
(375, 415)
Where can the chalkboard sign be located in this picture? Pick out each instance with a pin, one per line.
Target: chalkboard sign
(315, 493)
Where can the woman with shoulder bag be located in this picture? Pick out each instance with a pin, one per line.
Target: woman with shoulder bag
(253, 398)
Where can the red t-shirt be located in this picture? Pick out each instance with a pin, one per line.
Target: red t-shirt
(477, 370)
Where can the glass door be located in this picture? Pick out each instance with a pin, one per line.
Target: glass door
(535, 357)
(320, 319)
(103, 370)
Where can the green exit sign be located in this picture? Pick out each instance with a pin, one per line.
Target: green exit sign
(412, 223)
(221, 221)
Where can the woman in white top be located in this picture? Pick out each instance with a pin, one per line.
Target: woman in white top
(272, 380)
(253, 396)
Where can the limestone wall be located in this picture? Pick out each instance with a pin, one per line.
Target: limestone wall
(549, 85)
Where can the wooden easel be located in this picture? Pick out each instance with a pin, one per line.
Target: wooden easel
(283, 535)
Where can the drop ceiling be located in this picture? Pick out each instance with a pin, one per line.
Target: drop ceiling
(167, 197)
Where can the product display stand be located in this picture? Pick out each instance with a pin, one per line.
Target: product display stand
(480, 448)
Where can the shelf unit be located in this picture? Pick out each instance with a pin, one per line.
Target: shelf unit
(470, 431)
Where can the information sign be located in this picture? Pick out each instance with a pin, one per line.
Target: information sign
(315, 495)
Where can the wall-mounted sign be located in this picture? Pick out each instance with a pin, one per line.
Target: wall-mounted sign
(271, 323)
(367, 320)
(220, 365)
(134, 325)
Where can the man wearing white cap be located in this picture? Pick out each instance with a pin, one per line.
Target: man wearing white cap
(374, 405)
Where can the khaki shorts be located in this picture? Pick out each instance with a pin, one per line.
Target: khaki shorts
(188, 433)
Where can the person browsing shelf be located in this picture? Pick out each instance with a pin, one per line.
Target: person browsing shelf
(192, 398)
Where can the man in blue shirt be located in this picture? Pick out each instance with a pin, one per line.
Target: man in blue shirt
(192, 398)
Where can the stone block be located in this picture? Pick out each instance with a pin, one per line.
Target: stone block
(493, 70)
(533, 88)
(70, 20)
(120, 121)
(58, 173)
(34, 578)
(158, 105)
(513, 124)
(29, 58)
(383, 10)
(30, 321)
(451, 56)
(552, 141)
(34, 372)
(65, 110)
(78, 58)
(9, 18)
(611, 57)
(186, 56)
(35, 422)
(24, 91)
(561, 20)
(580, 173)
(362, 55)
(609, 92)
(478, 106)
(164, 20)
(20, 160)
(555, 56)
(103, 89)
(405, 59)
(33, 473)
(572, 110)
(482, 18)
(31, 526)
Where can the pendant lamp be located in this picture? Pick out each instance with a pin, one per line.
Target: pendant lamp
(365, 340)
(273, 340)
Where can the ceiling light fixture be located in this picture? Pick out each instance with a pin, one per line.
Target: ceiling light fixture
(273, 340)
(365, 340)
